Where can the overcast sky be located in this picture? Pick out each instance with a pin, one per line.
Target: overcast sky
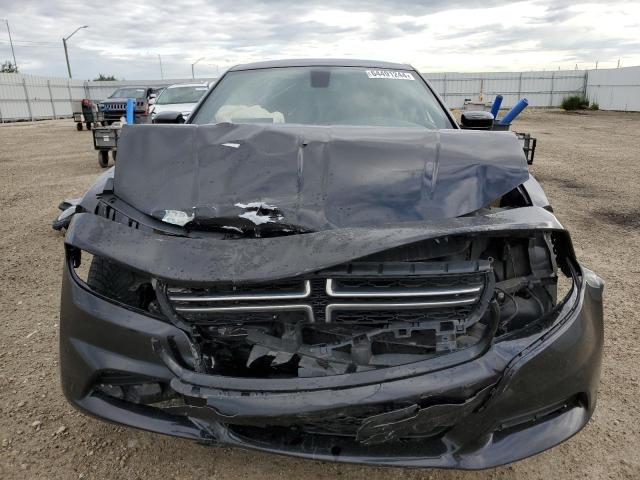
(124, 38)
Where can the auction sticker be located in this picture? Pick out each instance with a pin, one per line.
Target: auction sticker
(389, 74)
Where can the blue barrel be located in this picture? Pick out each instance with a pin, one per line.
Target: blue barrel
(131, 105)
(495, 108)
(515, 111)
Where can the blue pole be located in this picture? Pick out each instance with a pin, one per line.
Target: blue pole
(514, 112)
(130, 107)
(495, 108)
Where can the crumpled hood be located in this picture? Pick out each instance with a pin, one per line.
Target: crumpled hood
(316, 177)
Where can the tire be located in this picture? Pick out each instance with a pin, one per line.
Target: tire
(79, 126)
(113, 281)
(114, 153)
(88, 125)
(103, 158)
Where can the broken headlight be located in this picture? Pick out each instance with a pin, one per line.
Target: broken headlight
(114, 281)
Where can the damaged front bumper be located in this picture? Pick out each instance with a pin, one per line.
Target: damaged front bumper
(480, 407)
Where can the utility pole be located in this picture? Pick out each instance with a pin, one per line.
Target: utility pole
(192, 65)
(64, 44)
(66, 55)
(15, 64)
(161, 72)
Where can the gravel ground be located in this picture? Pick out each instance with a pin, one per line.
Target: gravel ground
(588, 164)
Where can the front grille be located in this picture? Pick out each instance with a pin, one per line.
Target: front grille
(382, 292)
(115, 107)
(353, 317)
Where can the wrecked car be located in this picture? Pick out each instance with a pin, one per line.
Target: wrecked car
(322, 263)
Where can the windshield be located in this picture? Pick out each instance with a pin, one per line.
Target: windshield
(129, 93)
(181, 95)
(324, 96)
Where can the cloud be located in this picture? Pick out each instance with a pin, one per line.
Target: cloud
(125, 38)
(384, 29)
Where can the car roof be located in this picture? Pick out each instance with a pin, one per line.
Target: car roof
(321, 62)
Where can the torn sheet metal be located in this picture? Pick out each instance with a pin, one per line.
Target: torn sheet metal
(317, 177)
(205, 260)
(416, 421)
(68, 208)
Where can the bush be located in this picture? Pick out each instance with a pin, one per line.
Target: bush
(594, 106)
(575, 102)
(105, 78)
(8, 67)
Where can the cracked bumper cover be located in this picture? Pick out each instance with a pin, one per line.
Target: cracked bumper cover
(514, 399)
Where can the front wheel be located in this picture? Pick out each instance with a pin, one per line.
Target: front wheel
(103, 158)
(79, 126)
(88, 125)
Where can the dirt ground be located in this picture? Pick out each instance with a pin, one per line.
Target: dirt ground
(589, 165)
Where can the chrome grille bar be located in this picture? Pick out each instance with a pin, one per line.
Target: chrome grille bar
(397, 305)
(427, 292)
(304, 293)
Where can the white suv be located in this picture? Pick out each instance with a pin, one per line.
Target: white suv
(181, 97)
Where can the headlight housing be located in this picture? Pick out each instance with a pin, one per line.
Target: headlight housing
(113, 281)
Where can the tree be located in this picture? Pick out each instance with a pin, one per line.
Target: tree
(105, 78)
(8, 67)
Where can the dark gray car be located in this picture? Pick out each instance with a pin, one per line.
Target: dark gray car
(322, 263)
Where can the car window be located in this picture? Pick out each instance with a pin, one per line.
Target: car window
(324, 96)
(129, 93)
(190, 94)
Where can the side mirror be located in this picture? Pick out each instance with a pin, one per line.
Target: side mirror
(476, 120)
(169, 117)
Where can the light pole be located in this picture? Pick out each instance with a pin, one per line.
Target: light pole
(11, 43)
(64, 43)
(192, 65)
(161, 71)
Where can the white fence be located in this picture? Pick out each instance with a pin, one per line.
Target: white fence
(615, 89)
(27, 97)
(542, 89)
